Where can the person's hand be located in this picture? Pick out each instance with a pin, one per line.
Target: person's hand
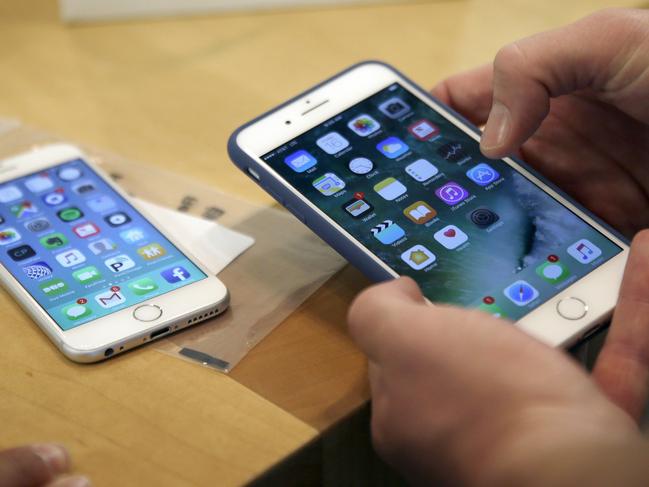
(461, 397)
(37, 466)
(573, 102)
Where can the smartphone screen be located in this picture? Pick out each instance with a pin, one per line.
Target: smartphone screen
(80, 249)
(415, 190)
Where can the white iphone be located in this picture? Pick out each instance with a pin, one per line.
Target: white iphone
(93, 272)
(395, 181)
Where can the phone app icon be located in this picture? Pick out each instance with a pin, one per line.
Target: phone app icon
(102, 246)
(521, 293)
(363, 125)
(119, 263)
(143, 286)
(300, 161)
(451, 193)
(453, 152)
(24, 209)
(76, 311)
(387, 232)
(392, 147)
(39, 183)
(38, 225)
(84, 188)
(10, 193)
(394, 107)
(424, 130)
(110, 298)
(418, 257)
(38, 270)
(117, 219)
(133, 235)
(483, 174)
(451, 237)
(552, 270)
(390, 189)
(175, 274)
(54, 287)
(332, 143)
(358, 207)
(420, 212)
(102, 203)
(329, 184)
(421, 170)
(483, 217)
(71, 257)
(584, 251)
(53, 240)
(21, 253)
(489, 305)
(360, 165)
(86, 275)
(86, 230)
(152, 251)
(70, 214)
(55, 198)
(69, 173)
(9, 236)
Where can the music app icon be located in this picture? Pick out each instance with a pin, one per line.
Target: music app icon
(584, 251)
(452, 193)
(70, 257)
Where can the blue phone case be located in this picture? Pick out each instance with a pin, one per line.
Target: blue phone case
(346, 247)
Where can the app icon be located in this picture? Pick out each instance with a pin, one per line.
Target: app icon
(53, 240)
(451, 237)
(390, 189)
(483, 217)
(38, 270)
(360, 165)
(132, 235)
(421, 170)
(117, 219)
(424, 130)
(552, 270)
(55, 198)
(332, 143)
(9, 236)
(521, 293)
(329, 184)
(394, 107)
(119, 263)
(70, 257)
(483, 174)
(300, 161)
(101, 203)
(10, 193)
(452, 193)
(110, 298)
(86, 275)
(489, 305)
(86, 230)
(357, 207)
(70, 214)
(84, 188)
(420, 212)
(69, 173)
(76, 311)
(38, 225)
(392, 147)
(152, 251)
(24, 209)
(54, 287)
(143, 286)
(453, 152)
(102, 246)
(175, 274)
(21, 253)
(387, 232)
(364, 125)
(418, 257)
(584, 251)
(39, 183)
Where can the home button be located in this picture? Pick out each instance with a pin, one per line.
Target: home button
(572, 308)
(147, 312)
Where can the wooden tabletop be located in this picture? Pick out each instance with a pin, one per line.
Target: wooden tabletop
(169, 93)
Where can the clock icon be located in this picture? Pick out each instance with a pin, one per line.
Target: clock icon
(361, 165)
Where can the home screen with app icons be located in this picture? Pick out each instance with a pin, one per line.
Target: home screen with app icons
(80, 249)
(416, 191)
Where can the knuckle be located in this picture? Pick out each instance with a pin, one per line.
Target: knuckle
(22, 466)
(509, 57)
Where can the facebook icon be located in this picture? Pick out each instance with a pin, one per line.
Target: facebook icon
(175, 274)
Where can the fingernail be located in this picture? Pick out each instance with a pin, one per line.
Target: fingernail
(55, 456)
(74, 481)
(497, 128)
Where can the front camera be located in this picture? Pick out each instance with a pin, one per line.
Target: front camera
(288, 122)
